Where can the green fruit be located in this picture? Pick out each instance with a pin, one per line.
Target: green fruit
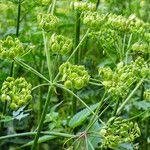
(13, 106)
(78, 84)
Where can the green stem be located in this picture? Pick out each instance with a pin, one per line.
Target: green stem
(77, 55)
(97, 4)
(49, 63)
(116, 107)
(18, 18)
(94, 118)
(53, 7)
(78, 98)
(39, 101)
(34, 133)
(75, 50)
(31, 70)
(77, 35)
(40, 125)
(128, 98)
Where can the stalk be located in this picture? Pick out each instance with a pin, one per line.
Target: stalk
(96, 112)
(33, 133)
(49, 63)
(40, 125)
(128, 98)
(18, 18)
(77, 55)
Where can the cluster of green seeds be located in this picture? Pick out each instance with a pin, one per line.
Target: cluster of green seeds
(147, 95)
(118, 82)
(132, 24)
(45, 2)
(119, 132)
(141, 48)
(17, 92)
(11, 48)
(84, 6)
(93, 19)
(60, 44)
(48, 22)
(74, 76)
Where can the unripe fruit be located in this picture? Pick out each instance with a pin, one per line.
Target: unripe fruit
(18, 92)
(68, 84)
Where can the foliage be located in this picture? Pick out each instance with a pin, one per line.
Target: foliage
(75, 74)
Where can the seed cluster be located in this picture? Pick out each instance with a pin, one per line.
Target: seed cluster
(60, 44)
(93, 19)
(75, 76)
(147, 95)
(84, 6)
(121, 131)
(117, 22)
(45, 2)
(16, 91)
(48, 21)
(141, 47)
(11, 48)
(118, 82)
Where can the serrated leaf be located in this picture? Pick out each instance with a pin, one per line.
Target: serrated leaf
(81, 116)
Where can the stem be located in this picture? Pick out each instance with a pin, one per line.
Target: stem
(147, 133)
(31, 70)
(53, 7)
(34, 133)
(47, 56)
(116, 107)
(78, 98)
(40, 125)
(92, 121)
(128, 98)
(39, 101)
(97, 4)
(77, 35)
(75, 50)
(18, 18)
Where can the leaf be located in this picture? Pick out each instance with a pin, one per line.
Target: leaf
(41, 140)
(81, 116)
(142, 105)
(6, 119)
(94, 138)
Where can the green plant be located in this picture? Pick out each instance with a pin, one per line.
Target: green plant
(79, 75)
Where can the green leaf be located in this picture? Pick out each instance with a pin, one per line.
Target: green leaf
(81, 116)
(6, 119)
(41, 140)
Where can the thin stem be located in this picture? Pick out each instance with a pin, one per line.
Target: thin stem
(47, 56)
(40, 85)
(93, 120)
(78, 98)
(53, 7)
(34, 133)
(97, 84)
(18, 18)
(75, 50)
(97, 4)
(40, 125)
(31, 69)
(116, 107)
(128, 98)
(77, 35)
